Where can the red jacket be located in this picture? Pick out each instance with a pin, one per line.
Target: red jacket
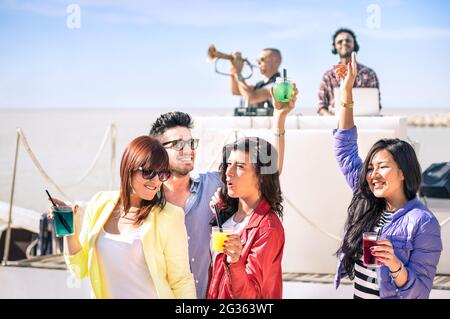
(258, 273)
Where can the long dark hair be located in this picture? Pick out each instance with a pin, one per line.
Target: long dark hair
(365, 209)
(264, 158)
(148, 153)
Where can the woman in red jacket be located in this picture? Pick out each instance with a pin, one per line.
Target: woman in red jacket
(251, 202)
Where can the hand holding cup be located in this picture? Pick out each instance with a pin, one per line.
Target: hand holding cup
(232, 247)
(347, 73)
(63, 216)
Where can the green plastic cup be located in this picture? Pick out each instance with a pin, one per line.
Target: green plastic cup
(63, 219)
(283, 90)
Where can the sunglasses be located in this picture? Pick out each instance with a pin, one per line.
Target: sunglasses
(179, 144)
(150, 174)
(346, 40)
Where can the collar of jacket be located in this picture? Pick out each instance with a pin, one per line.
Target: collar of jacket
(258, 214)
(413, 203)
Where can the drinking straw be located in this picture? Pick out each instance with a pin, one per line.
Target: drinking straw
(61, 220)
(379, 233)
(285, 75)
(51, 199)
(219, 222)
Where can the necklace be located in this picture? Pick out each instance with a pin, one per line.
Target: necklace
(122, 214)
(244, 217)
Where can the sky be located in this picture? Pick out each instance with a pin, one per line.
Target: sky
(103, 54)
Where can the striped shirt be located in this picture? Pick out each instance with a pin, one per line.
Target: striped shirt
(366, 78)
(366, 284)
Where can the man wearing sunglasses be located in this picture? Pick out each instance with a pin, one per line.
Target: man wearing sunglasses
(173, 130)
(344, 43)
(257, 96)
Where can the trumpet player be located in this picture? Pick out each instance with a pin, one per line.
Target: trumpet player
(257, 96)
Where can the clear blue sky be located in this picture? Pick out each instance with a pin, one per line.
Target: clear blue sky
(152, 54)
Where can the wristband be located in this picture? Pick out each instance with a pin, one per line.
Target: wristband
(348, 105)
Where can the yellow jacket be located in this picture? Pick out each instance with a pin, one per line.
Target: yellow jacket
(164, 243)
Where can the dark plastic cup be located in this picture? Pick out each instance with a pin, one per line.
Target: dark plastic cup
(369, 240)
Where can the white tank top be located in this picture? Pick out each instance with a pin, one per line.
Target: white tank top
(124, 267)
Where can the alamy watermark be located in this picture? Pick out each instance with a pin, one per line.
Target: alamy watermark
(374, 19)
(261, 153)
(71, 280)
(73, 20)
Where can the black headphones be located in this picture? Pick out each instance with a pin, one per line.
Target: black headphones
(356, 45)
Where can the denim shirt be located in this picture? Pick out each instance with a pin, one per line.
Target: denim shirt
(413, 231)
(198, 216)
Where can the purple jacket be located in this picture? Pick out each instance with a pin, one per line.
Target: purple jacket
(414, 231)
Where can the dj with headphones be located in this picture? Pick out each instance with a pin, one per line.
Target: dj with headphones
(256, 99)
(344, 43)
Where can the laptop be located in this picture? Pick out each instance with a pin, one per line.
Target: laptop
(365, 101)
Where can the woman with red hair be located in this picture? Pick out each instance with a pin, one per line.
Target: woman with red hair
(132, 243)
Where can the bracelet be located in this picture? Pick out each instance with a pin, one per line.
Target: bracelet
(400, 268)
(348, 105)
(397, 271)
(277, 133)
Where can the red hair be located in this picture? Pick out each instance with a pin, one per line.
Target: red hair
(148, 153)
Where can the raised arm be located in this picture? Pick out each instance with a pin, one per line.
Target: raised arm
(281, 110)
(235, 69)
(348, 73)
(240, 87)
(249, 93)
(345, 137)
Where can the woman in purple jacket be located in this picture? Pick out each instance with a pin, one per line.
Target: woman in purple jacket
(384, 199)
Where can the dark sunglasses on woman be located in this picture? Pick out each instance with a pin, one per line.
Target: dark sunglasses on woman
(150, 174)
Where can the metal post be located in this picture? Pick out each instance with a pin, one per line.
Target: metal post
(11, 199)
(113, 155)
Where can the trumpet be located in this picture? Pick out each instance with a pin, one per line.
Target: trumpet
(213, 54)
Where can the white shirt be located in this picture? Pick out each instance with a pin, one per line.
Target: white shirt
(237, 227)
(124, 267)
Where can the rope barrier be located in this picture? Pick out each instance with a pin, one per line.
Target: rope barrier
(110, 130)
(38, 165)
(445, 222)
(311, 223)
